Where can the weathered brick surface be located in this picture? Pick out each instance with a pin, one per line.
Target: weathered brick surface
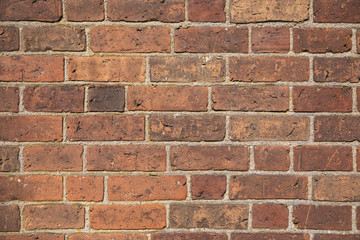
(9, 99)
(208, 186)
(81, 10)
(207, 11)
(272, 158)
(33, 237)
(336, 188)
(106, 99)
(9, 38)
(336, 236)
(336, 11)
(271, 216)
(9, 218)
(270, 40)
(85, 188)
(108, 236)
(270, 236)
(9, 159)
(189, 236)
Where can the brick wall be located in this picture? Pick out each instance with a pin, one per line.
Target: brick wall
(179, 119)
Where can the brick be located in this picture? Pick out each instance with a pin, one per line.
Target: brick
(130, 39)
(232, 158)
(336, 11)
(106, 99)
(358, 41)
(53, 217)
(217, 216)
(107, 69)
(85, 188)
(208, 186)
(269, 128)
(323, 158)
(337, 128)
(358, 158)
(167, 98)
(187, 128)
(211, 39)
(337, 69)
(270, 40)
(322, 217)
(336, 188)
(29, 10)
(107, 236)
(189, 236)
(246, 11)
(233, 98)
(187, 69)
(126, 158)
(270, 216)
(54, 99)
(358, 218)
(336, 236)
(272, 158)
(54, 38)
(9, 159)
(9, 38)
(9, 218)
(143, 11)
(9, 99)
(358, 98)
(31, 128)
(53, 158)
(269, 69)
(146, 188)
(32, 69)
(31, 188)
(128, 216)
(322, 40)
(33, 237)
(106, 128)
(85, 10)
(270, 236)
(322, 99)
(268, 187)
(207, 11)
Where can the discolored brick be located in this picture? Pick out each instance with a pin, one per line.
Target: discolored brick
(9, 38)
(270, 236)
(33, 237)
(208, 186)
(270, 216)
(272, 158)
(9, 99)
(106, 99)
(336, 236)
(108, 236)
(336, 11)
(82, 10)
(270, 40)
(358, 41)
(9, 159)
(85, 188)
(9, 218)
(336, 188)
(189, 236)
(207, 11)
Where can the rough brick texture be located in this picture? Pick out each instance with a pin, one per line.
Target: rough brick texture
(9, 39)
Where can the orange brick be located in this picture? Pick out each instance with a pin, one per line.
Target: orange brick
(85, 188)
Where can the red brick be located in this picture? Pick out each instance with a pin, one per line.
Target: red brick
(336, 237)
(322, 40)
(31, 188)
(164, 98)
(322, 217)
(358, 218)
(207, 11)
(9, 99)
(336, 188)
(146, 188)
(189, 236)
(337, 69)
(337, 128)
(33, 237)
(269, 69)
(30, 10)
(126, 158)
(53, 217)
(31, 128)
(217, 216)
(358, 41)
(208, 186)
(322, 158)
(54, 99)
(53, 158)
(106, 128)
(9, 38)
(272, 158)
(143, 11)
(268, 187)
(9, 159)
(128, 216)
(85, 188)
(106, 99)
(54, 38)
(213, 40)
(107, 236)
(358, 98)
(270, 40)
(9, 218)
(232, 158)
(82, 10)
(358, 158)
(107, 69)
(232, 98)
(187, 128)
(32, 69)
(187, 69)
(337, 11)
(271, 216)
(270, 236)
(269, 128)
(130, 39)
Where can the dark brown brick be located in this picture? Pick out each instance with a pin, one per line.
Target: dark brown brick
(336, 188)
(34, 237)
(108, 236)
(189, 236)
(9, 159)
(213, 40)
(85, 188)
(272, 158)
(337, 69)
(337, 11)
(270, 40)
(271, 99)
(82, 10)
(9, 99)
(54, 38)
(336, 237)
(9, 38)
(187, 128)
(268, 187)
(207, 11)
(270, 236)
(322, 217)
(217, 216)
(9, 218)
(322, 158)
(208, 186)
(106, 99)
(271, 216)
(269, 69)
